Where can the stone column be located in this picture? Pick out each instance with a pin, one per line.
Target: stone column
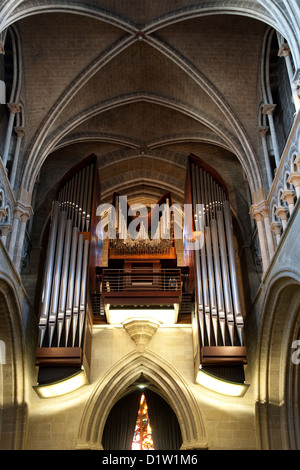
(5, 230)
(276, 228)
(264, 209)
(14, 108)
(18, 256)
(282, 213)
(2, 83)
(257, 216)
(288, 196)
(262, 131)
(20, 134)
(285, 52)
(14, 233)
(269, 109)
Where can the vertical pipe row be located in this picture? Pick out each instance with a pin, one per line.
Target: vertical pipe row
(66, 270)
(216, 271)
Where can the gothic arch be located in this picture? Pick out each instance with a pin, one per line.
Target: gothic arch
(169, 385)
(278, 373)
(12, 370)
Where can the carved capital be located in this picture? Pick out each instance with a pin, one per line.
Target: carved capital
(288, 196)
(14, 107)
(20, 131)
(5, 229)
(260, 211)
(294, 179)
(284, 50)
(282, 212)
(3, 213)
(276, 227)
(262, 130)
(268, 108)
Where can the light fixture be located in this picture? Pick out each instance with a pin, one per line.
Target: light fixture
(224, 387)
(141, 382)
(62, 387)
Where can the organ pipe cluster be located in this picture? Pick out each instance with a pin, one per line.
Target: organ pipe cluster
(63, 306)
(219, 305)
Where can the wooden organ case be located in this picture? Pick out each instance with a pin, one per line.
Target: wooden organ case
(73, 252)
(219, 347)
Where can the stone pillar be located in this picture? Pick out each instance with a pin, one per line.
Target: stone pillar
(285, 52)
(14, 108)
(264, 209)
(282, 213)
(14, 233)
(2, 83)
(269, 109)
(20, 134)
(19, 250)
(276, 228)
(5, 230)
(257, 216)
(262, 131)
(288, 196)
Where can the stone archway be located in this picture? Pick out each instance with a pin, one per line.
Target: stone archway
(167, 381)
(12, 410)
(278, 371)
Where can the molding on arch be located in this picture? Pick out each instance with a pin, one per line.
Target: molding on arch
(277, 376)
(115, 384)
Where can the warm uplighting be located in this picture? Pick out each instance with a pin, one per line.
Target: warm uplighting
(223, 387)
(62, 387)
(163, 315)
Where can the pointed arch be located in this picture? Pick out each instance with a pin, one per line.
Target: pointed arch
(168, 383)
(278, 365)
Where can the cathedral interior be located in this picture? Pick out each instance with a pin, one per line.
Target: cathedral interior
(149, 226)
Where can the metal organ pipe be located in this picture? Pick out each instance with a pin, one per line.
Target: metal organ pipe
(48, 272)
(71, 282)
(83, 287)
(64, 281)
(197, 259)
(57, 275)
(77, 287)
(233, 272)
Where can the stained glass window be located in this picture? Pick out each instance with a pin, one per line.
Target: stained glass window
(142, 439)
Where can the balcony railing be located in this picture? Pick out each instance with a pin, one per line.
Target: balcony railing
(139, 285)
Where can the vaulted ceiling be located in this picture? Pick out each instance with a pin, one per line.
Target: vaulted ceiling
(141, 85)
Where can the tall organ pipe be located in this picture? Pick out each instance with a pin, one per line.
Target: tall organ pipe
(88, 215)
(71, 282)
(218, 278)
(233, 272)
(83, 290)
(197, 259)
(225, 276)
(64, 281)
(48, 272)
(57, 275)
(77, 287)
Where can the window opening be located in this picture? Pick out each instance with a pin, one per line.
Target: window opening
(142, 439)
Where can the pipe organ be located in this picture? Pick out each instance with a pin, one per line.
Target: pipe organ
(64, 317)
(219, 317)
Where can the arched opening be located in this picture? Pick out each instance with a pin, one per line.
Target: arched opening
(120, 425)
(279, 372)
